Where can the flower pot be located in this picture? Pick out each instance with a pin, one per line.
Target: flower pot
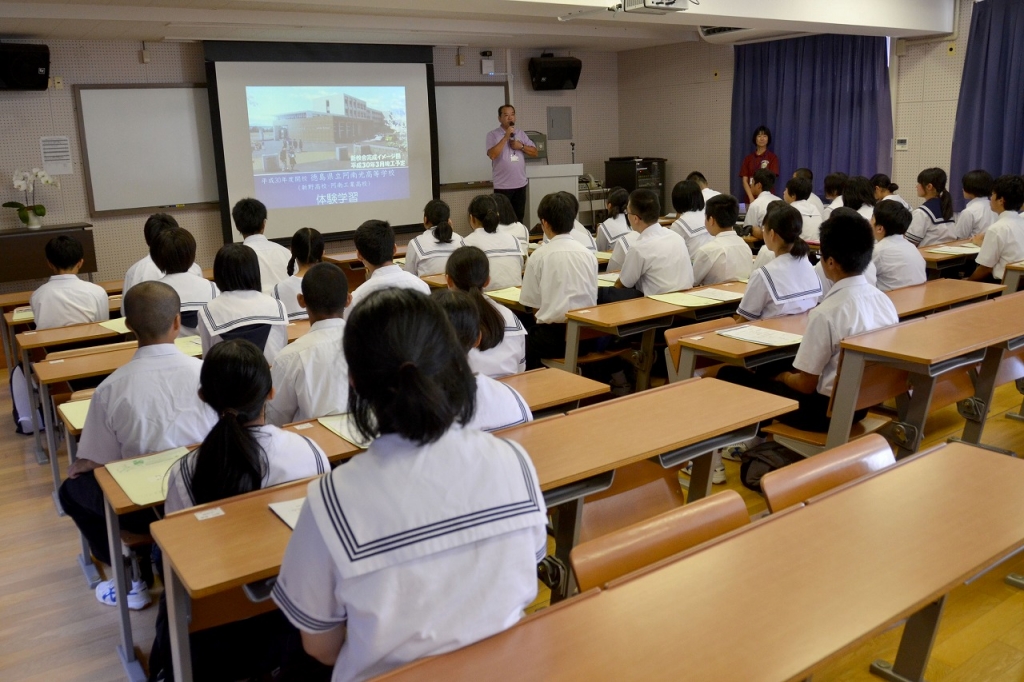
(34, 223)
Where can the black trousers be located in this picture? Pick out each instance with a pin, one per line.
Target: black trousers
(82, 500)
(518, 199)
(548, 341)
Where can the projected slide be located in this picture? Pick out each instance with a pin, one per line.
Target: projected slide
(328, 145)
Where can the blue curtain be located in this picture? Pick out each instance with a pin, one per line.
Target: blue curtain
(989, 130)
(826, 100)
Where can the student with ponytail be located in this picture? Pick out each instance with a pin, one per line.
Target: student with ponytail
(509, 223)
(450, 520)
(502, 348)
(932, 221)
(616, 226)
(885, 190)
(427, 253)
(307, 251)
(503, 251)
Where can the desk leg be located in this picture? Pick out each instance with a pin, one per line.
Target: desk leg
(844, 404)
(915, 646)
(126, 649)
(921, 387)
(984, 388)
(33, 400)
(177, 621)
(700, 477)
(5, 331)
(569, 520)
(1011, 280)
(643, 374)
(687, 364)
(51, 443)
(572, 345)
(1019, 414)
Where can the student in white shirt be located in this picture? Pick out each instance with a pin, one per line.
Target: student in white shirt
(174, 252)
(310, 375)
(859, 195)
(427, 253)
(65, 299)
(932, 221)
(616, 226)
(502, 249)
(1004, 240)
(885, 190)
(250, 216)
(498, 405)
(688, 202)
(796, 195)
(702, 182)
(375, 248)
(808, 175)
(898, 263)
(658, 263)
(502, 347)
(508, 222)
(241, 310)
(450, 520)
(307, 250)
(851, 307)
(578, 232)
(726, 258)
(977, 214)
(146, 270)
(560, 276)
(761, 187)
(835, 183)
(149, 405)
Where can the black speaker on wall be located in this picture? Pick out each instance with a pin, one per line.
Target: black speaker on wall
(24, 67)
(555, 73)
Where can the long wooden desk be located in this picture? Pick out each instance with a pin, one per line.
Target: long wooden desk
(844, 568)
(937, 263)
(1011, 278)
(436, 281)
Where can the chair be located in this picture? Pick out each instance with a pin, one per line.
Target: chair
(801, 481)
(638, 492)
(614, 555)
(673, 351)
(588, 358)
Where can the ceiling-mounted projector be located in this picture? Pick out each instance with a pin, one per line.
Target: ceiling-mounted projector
(654, 6)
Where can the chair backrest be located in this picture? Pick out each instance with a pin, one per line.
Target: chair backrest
(639, 491)
(802, 480)
(673, 335)
(614, 555)
(91, 350)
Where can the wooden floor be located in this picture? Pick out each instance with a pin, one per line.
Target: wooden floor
(52, 628)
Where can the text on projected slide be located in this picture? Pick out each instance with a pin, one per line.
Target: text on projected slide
(316, 146)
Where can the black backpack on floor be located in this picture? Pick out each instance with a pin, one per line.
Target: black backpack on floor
(763, 458)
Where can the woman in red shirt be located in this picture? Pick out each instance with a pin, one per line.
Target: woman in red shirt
(761, 158)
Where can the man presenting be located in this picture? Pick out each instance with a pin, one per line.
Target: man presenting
(507, 148)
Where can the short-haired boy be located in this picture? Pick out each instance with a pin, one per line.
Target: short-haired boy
(702, 182)
(808, 175)
(578, 231)
(250, 216)
(835, 183)
(797, 195)
(977, 215)
(1004, 240)
(761, 187)
(898, 263)
(145, 270)
(658, 262)
(375, 248)
(65, 299)
(174, 252)
(726, 258)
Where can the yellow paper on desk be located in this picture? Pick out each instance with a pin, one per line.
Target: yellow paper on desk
(341, 425)
(75, 411)
(144, 479)
(190, 345)
(507, 294)
(683, 299)
(23, 314)
(603, 256)
(118, 325)
(398, 261)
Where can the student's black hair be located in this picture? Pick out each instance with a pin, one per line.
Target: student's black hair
(249, 215)
(307, 248)
(687, 197)
(235, 381)
(787, 223)
(936, 177)
(618, 199)
(485, 211)
(847, 237)
(765, 178)
(408, 373)
(645, 205)
(150, 308)
(858, 192)
(325, 289)
(558, 211)
(574, 200)
(437, 215)
(173, 250)
(64, 252)
(698, 177)
(724, 209)
(805, 173)
(506, 214)
(835, 183)
(236, 268)
(375, 241)
(1010, 188)
(469, 269)
(462, 313)
(798, 188)
(892, 217)
(882, 180)
(978, 182)
(155, 223)
(758, 131)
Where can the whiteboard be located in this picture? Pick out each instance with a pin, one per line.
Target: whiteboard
(146, 147)
(465, 114)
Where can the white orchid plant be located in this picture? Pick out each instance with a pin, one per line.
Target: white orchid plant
(25, 181)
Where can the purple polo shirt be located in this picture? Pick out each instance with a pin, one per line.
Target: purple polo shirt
(508, 174)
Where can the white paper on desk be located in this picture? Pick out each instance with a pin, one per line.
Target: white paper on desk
(718, 294)
(683, 299)
(190, 345)
(398, 261)
(341, 425)
(144, 479)
(507, 294)
(608, 277)
(760, 335)
(23, 314)
(288, 511)
(75, 412)
(962, 250)
(118, 325)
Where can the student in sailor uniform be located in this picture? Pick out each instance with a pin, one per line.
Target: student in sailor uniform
(502, 249)
(702, 182)
(763, 184)
(688, 202)
(65, 299)
(898, 263)
(932, 221)
(307, 251)
(1004, 240)
(241, 311)
(310, 375)
(427, 253)
(502, 347)
(885, 190)
(796, 195)
(622, 246)
(579, 232)
(146, 270)
(616, 225)
(860, 196)
(808, 175)
(726, 258)
(497, 405)
(508, 223)
(658, 263)
(835, 183)
(375, 247)
(250, 216)
(765, 255)
(174, 252)
(977, 214)
(434, 515)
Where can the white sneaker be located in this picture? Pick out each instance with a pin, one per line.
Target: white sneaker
(138, 596)
(733, 452)
(717, 475)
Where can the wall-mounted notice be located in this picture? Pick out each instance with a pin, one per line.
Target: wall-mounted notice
(56, 153)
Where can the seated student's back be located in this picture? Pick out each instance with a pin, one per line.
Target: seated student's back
(578, 232)
(250, 216)
(502, 249)
(796, 194)
(307, 250)
(658, 263)
(375, 247)
(146, 269)
(1004, 240)
(977, 214)
(65, 299)
(726, 258)
(859, 195)
(174, 252)
(932, 221)
(898, 263)
(509, 223)
(616, 226)
(688, 202)
(427, 253)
